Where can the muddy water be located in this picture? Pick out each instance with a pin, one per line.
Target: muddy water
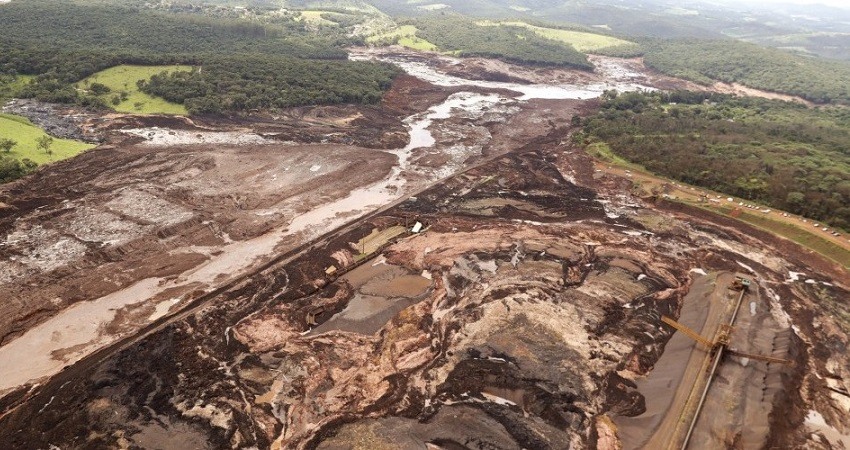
(616, 77)
(30, 356)
(382, 291)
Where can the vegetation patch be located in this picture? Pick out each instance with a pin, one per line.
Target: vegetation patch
(776, 153)
(602, 151)
(27, 135)
(404, 35)
(90, 37)
(705, 61)
(512, 44)
(580, 40)
(118, 87)
(12, 85)
(233, 84)
(317, 18)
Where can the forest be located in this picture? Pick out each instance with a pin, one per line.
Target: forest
(240, 83)
(87, 38)
(705, 61)
(512, 44)
(780, 154)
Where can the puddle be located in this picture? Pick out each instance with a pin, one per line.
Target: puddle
(383, 290)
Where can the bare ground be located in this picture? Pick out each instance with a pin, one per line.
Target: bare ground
(519, 319)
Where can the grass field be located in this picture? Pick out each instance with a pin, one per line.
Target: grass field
(602, 151)
(123, 79)
(406, 36)
(9, 89)
(315, 18)
(25, 133)
(581, 41)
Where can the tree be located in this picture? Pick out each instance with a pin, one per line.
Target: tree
(7, 144)
(44, 143)
(795, 198)
(99, 89)
(12, 169)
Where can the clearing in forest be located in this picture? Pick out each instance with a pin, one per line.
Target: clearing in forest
(121, 81)
(315, 18)
(404, 35)
(580, 40)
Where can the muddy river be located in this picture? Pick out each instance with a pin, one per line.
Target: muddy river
(81, 329)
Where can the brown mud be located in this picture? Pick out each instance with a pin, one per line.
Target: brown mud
(525, 315)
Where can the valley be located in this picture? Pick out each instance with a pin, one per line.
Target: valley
(445, 268)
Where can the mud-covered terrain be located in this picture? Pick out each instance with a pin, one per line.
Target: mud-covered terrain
(259, 284)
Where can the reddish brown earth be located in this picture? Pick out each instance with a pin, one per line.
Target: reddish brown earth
(524, 316)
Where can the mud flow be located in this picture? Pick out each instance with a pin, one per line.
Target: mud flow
(442, 270)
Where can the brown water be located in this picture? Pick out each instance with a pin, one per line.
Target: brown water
(383, 290)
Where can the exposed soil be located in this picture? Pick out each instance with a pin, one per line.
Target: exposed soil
(60, 121)
(271, 294)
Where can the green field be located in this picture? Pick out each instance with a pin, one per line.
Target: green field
(603, 152)
(404, 35)
(123, 79)
(25, 133)
(581, 41)
(315, 18)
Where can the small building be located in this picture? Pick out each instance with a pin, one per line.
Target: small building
(417, 227)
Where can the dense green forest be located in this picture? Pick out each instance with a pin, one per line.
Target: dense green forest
(512, 44)
(73, 26)
(778, 153)
(243, 82)
(706, 61)
(86, 38)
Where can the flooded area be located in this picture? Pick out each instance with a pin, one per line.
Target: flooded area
(382, 290)
(320, 313)
(615, 76)
(71, 334)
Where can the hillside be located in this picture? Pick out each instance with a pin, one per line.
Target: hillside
(817, 80)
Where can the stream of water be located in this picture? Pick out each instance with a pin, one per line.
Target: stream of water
(78, 330)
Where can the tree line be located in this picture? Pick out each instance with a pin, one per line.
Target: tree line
(86, 38)
(778, 153)
(512, 44)
(706, 61)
